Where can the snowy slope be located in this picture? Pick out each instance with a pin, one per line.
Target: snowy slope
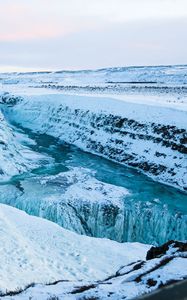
(163, 266)
(34, 250)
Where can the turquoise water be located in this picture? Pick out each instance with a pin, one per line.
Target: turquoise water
(153, 212)
(141, 187)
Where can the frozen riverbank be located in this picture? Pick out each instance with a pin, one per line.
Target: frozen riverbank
(14, 157)
(149, 138)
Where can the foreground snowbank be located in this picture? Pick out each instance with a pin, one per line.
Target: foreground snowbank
(149, 138)
(164, 266)
(34, 250)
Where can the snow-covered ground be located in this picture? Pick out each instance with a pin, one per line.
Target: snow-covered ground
(127, 283)
(169, 75)
(158, 86)
(34, 250)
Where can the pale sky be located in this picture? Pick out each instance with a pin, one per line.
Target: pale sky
(84, 34)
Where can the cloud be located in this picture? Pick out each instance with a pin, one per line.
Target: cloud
(22, 19)
(90, 34)
(148, 43)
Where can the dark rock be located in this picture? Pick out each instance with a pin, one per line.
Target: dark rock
(156, 252)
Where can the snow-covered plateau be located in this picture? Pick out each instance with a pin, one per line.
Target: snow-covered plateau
(103, 155)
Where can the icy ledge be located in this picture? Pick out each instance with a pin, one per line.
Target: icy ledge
(149, 138)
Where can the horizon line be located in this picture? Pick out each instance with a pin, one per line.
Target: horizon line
(90, 70)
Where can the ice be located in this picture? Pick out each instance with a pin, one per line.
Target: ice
(76, 200)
